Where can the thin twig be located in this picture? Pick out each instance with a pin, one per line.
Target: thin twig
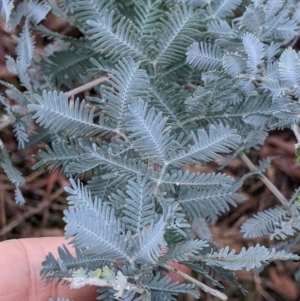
(296, 131)
(87, 86)
(201, 285)
(281, 198)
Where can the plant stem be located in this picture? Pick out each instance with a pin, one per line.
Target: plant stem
(78, 282)
(265, 180)
(87, 86)
(201, 285)
(296, 131)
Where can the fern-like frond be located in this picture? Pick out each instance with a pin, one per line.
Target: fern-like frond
(197, 179)
(264, 223)
(272, 7)
(107, 294)
(110, 37)
(182, 252)
(273, 86)
(288, 30)
(6, 7)
(165, 286)
(289, 228)
(196, 3)
(169, 99)
(253, 19)
(101, 67)
(60, 156)
(277, 222)
(228, 276)
(210, 100)
(128, 82)
(15, 67)
(138, 210)
(66, 263)
(272, 50)
(20, 132)
(206, 146)
(177, 224)
(15, 94)
(177, 34)
(25, 48)
(21, 124)
(17, 14)
(149, 242)
(85, 9)
(33, 10)
(146, 131)
(220, 28)
(19, 198)
(65, 66)
(11, 64)
(79, 195)
(112, 167)
(103, 188)
(37, 10)
(250, 258)
(259, 112)
(220, 9)
(204, 56)
(247, 111)
(231, 44)
(289, 68)
(282, 19)
(147, 16)
(210, 273)
(103, 236)
(201, 228)
(12, 173)
(255, 51)
(209, 202)
(234, 64)
(75, 119)
(174, 73)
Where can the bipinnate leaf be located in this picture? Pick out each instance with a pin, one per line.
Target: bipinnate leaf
(248, 259)
(204, 56)
(146, 131)
(164, 285)
(54, 111)
(289, 68)
(103, 235)
(149, 243)
(206, 146)
(6, 7)
(255, 51)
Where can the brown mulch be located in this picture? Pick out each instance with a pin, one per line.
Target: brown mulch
(45, 199)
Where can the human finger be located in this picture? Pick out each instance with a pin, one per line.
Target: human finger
(20, 265)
